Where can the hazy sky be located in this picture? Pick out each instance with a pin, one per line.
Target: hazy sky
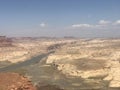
(80, 18)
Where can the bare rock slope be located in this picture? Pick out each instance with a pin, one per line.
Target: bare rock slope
(14, 81)
(90, 59)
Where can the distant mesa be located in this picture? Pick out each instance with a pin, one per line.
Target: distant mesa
(4, 41)
(69, 37)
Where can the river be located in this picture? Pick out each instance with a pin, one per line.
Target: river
(32, 61)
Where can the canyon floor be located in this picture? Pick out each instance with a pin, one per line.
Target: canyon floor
(63, 64)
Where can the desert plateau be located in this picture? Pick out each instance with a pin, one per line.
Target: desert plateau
(60, 63)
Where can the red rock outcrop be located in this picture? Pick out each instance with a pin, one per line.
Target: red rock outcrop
(4, 41)
(14, 81)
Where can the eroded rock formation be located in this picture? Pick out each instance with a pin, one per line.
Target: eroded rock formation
(14, 81)
(90, 59)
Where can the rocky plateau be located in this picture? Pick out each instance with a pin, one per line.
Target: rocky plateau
(94, 61)
(90, 59)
